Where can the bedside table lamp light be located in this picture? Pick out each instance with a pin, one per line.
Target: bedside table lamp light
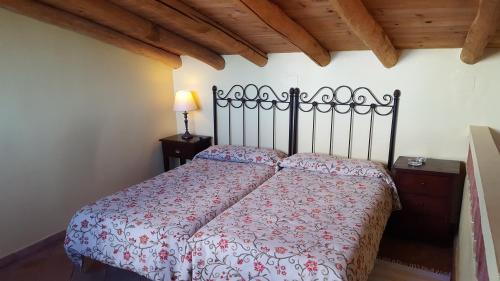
(184, 102)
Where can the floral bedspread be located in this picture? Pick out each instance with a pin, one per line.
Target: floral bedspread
(145, 228)
(298, 225)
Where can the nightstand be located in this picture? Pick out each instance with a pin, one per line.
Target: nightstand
(431, 196)
(177, 147)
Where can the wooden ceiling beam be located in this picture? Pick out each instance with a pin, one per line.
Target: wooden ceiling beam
(277, 19)
(117, 18)
(71, 22)
(176, 14)
(481, 30)
(367, 29)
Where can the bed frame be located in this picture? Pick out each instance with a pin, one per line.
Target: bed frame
(342, 100)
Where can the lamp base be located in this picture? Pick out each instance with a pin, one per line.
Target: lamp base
(187, 136)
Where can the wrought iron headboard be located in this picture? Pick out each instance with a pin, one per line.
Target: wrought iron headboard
(359, 101)
(340, 100)
(253, 97)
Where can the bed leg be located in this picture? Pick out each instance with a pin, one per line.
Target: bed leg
(90, 265)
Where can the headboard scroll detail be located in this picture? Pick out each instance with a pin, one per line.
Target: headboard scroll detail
(252, 97)
(345, 100)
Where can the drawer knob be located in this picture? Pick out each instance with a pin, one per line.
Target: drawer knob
(177, 151)
(422, 183)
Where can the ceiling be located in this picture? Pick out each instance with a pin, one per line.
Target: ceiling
(410, 24)
(296, 25)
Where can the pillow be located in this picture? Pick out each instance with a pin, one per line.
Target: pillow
(337, 165)
(242, 154)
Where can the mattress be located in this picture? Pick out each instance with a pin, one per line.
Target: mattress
(145, 228)
(298, 225)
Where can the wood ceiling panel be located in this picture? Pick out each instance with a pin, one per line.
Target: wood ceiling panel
(319, 18)
(403, 4)
(495, 40)
(244, 23)
(409, 23)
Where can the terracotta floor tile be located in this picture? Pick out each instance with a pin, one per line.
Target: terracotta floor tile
(435, 257)
(52, 264)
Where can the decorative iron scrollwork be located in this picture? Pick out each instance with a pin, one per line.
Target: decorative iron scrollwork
(358, 96)
(346, 100)
(251, 97)
(343, 99)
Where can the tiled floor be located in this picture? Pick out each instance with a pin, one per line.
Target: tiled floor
(51, 264)
(420, 254)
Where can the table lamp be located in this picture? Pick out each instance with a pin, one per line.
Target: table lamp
(184, 102)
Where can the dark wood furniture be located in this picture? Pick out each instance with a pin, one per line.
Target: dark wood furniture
(177, 147)
(431, 196)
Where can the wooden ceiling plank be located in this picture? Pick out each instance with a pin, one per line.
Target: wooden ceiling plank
(277, 19)
(69, 21)
(368, 30)
(117, 18)
(174, 13)
(399, 19)
(481, 31)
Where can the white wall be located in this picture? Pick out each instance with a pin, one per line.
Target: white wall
(464, 259)
(441, 95)
(79, 119)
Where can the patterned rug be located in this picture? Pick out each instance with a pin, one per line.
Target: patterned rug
(391, 271)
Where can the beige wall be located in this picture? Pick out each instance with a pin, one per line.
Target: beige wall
(79, 119)
(441, 96)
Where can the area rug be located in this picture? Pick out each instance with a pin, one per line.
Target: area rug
(391, 271)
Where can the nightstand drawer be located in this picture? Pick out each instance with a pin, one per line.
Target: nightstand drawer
(174, 149)
(424, 205)
(430, 185)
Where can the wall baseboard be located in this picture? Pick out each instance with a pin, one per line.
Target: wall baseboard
(32, 249)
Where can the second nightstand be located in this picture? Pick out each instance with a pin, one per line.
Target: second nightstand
(431, 196)
(176, 146)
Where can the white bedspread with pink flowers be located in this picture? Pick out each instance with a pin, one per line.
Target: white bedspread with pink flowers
(319, 223)
(145, 228)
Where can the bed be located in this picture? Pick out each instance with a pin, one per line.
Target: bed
(144, 228)
(322, 216)
(319, 221)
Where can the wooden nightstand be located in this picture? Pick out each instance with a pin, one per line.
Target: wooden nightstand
(431, 196)
(175, 146)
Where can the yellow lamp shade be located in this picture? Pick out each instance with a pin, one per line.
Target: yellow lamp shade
(184, 101)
